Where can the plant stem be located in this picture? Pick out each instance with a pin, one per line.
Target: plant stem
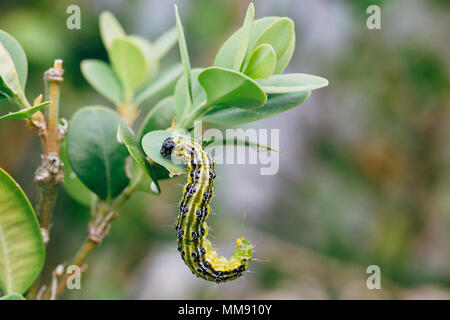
(188, 118)
(49, 174)
(99, 227)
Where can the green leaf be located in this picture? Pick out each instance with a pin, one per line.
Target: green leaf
(237, 142)
(261, 63)
(275, 104)
(147, 49)
(226, 56)
(164, 81)
(160, 117)
(245, 38)
(18, 56)
(96, 157)
(22, 250)
(181, 100)
(165, 42)
(72, 184)
(293, 82)
(27, 112)
(152, 143)
(284, 60)
(103, 79)
(12, 296)
(129, 140)
(110, 29)
(230, 88)
(9, 80)
(130, 64)
(279, 35)
(184, 58)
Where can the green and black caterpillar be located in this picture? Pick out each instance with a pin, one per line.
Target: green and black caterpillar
(195, 248)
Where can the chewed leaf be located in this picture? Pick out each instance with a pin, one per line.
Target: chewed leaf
(129, 140)
(27, 112)
(293, 82)
(152, 143)
(230, 88)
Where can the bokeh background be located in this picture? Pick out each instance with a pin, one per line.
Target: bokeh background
(364, 170)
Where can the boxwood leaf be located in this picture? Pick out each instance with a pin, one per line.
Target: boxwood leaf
(12, 296)
(72, 184)
(279, 35)
(27, 112)
(261, 63)
(226, 55)
(293, 82)
(130, 64)
(95, 155)
(22, 250)
(230, 88)
(164, 81)
(160, 117)
(110, 29)
(284, 60)
(103, 79)
(9, 80)
(152, 143)
(237, 142)
(198, 93)
(275, 104)
(147, 49)
(165, 42)
(129, 140)
(18, 56)
(184, 58)
(245, 38)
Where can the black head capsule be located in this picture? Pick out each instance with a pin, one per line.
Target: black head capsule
(167, 147)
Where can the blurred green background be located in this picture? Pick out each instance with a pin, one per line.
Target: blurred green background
(364, 170)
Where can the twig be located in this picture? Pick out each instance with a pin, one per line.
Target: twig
(98, 229)
(50, 173)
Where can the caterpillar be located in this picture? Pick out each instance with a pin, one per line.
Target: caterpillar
(192, 230)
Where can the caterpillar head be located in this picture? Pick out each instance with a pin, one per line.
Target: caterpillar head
(167, 147)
